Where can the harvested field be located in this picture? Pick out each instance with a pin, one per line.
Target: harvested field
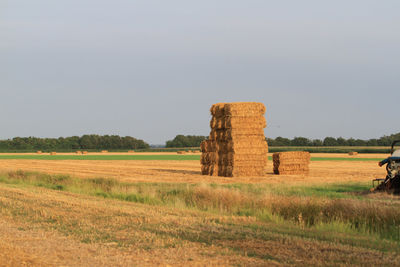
(158, 212)
(190, 170)
(118, 233)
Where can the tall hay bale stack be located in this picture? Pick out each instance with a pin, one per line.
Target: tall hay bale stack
(294, 162)
(236, 145)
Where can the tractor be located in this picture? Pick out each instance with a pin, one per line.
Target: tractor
(391, 184)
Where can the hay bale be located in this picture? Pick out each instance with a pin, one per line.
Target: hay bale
(293, 162)
(240, 136)
(218, 110)
(131, 151)
(353, 153)
(53, 153)
(104, 151)
(203, 146)
(78, 152)
(181, 152)
(244, 109)
(84, 152)
(211, 170)
(238, 122)
(236, 145)
(209, 158)
(38, 152)
(208, 146)
(236, 170)
(232, 159)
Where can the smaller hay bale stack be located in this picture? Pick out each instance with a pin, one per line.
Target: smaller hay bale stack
(53, 153)
(353, 153)
(294, 162)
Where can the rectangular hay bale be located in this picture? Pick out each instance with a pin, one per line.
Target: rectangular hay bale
(292, 162)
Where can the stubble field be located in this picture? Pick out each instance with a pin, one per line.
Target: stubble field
(157, 212)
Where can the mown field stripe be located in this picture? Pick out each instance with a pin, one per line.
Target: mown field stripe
(102, 157)
(149, 157)
(345, 159)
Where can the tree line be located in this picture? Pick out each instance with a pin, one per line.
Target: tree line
(332, 141)
(92, 141)
(195, 140)
(185, 141)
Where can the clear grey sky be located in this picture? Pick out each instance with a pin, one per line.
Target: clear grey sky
(151, 69)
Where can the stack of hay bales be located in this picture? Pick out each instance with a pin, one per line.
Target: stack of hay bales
(236, 145)
(353, 153)
(53, 153)
(295, 162)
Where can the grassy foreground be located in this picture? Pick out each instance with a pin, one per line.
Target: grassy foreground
(151, 157)
(336, 224)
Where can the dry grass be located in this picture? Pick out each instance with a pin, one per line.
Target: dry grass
(167, 235)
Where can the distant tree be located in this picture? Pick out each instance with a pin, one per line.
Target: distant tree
(87, 142)
(74, 142)
(372, 142)
(359, 142)
(330, 141)
(341, 141)
(186, 141)
(317, 142)
(385, 141)
(300, 141)
(281, 141)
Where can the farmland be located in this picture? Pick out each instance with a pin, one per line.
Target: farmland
(156, 208)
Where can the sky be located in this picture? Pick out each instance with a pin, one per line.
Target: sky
(152, 68)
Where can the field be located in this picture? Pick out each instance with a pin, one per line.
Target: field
(119, 209)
